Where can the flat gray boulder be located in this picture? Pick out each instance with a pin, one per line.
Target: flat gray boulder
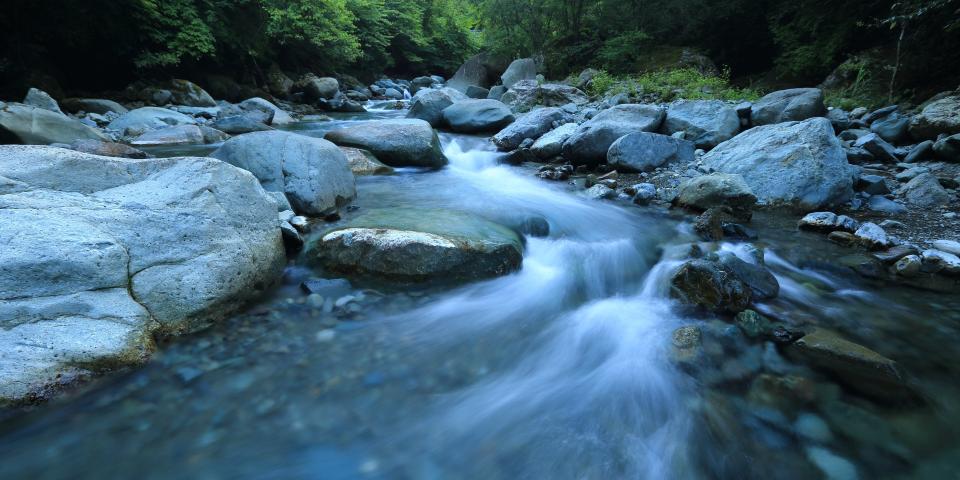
(644, 152)
(101, 254)
(419, 245)
(101, 106)
(428, 105)
(706, 123)
(138, 121)
(590, 143)
(938, 117)
(398, 143)
(313, 173)
(519, 70)
(791, 105)
(551, 144)
(477, 116)
(796, 164)
(40, 99)
(925, 190)
(526, 94)
(240, 124)
(187, 93)
(175, 135)
(532, 125)
(472, 72)
(31, 125)
(714, 190)
(279, 116)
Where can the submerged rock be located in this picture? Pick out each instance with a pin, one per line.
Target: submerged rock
(419, 245)
(709, 285)
(136, 248)
(312, 173)
(398, 143)
(364, 163)
(857, 366)
(801, 164)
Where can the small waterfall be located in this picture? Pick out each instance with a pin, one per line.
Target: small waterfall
(406, 94)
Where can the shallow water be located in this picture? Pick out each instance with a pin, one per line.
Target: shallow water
(561, 370)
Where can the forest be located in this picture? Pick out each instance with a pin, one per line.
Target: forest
(100, 44)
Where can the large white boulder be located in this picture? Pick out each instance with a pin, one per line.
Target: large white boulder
(100, 254)
(795, 164)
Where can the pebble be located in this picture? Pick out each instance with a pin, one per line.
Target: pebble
(344, 300)
(812, 427)
(834, 467)
(315, 300)
(324, 336)
(892, 225)
(908, 266)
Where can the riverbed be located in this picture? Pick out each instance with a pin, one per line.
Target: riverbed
(564, 369)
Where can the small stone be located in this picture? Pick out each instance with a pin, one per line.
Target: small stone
(752, 323)
(872, 236)
(842, 238)
(833, 467)
(315, 300)
(324, 336)
(812, 427)
(911, 173)
(908, 266)
(893, 254)
(344, 300)
(819, 221)
(644, 193)
(892, 225)
(601, 192)
(300, 223)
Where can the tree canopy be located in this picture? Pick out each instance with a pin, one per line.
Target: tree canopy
(140, 37)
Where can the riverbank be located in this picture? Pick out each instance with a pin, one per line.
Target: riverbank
(642, 278)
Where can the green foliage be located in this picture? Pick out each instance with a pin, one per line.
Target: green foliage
(326, 36)
(173, 29)
(667, 85)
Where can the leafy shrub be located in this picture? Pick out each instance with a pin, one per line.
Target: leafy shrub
(667, 85)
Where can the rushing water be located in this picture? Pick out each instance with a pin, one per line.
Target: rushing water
(561, 370)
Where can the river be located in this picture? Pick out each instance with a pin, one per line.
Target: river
(561, 370)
